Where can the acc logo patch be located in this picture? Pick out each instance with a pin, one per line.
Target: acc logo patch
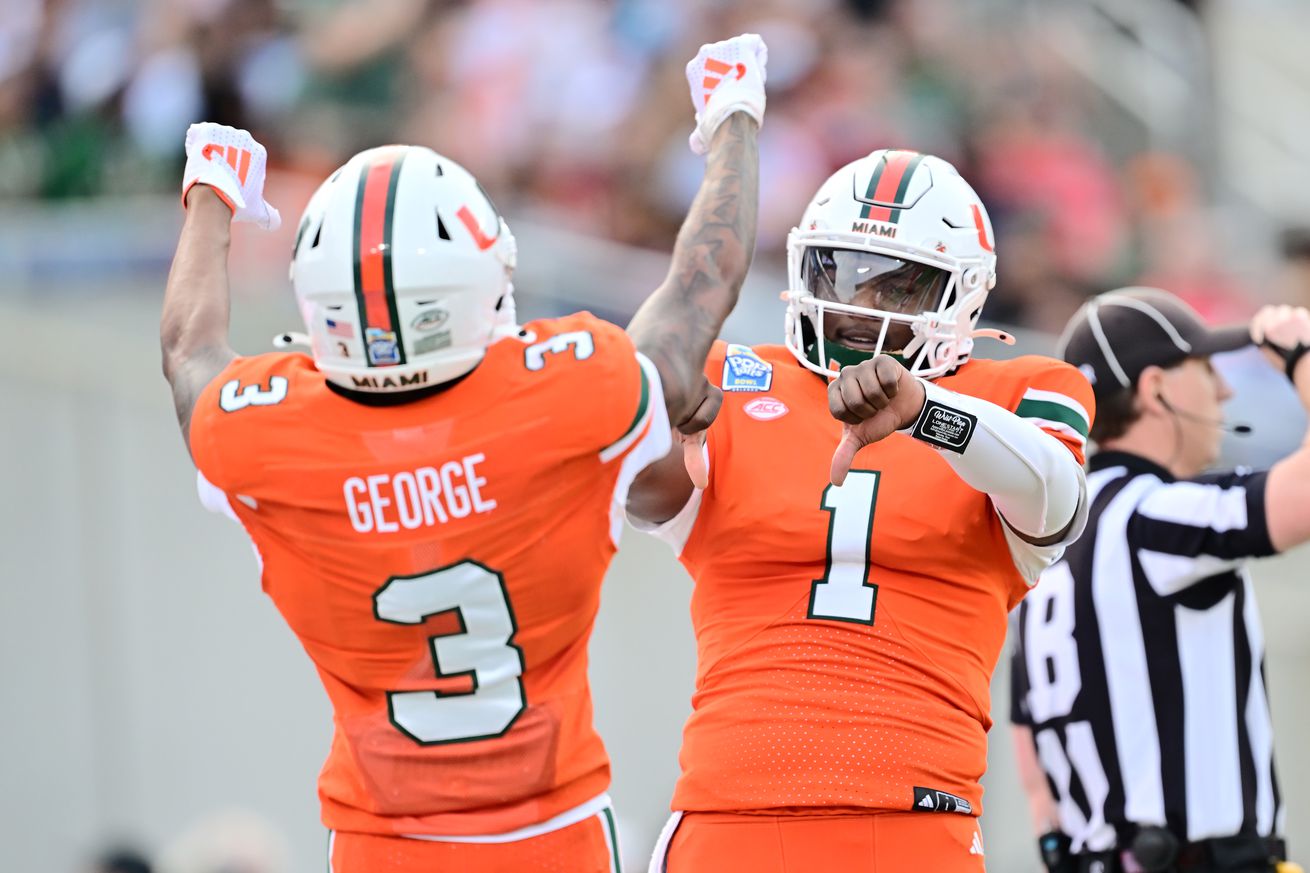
(765, 409)
(743, 370)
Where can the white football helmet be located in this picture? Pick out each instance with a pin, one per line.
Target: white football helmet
(402, 270)
(898, 238)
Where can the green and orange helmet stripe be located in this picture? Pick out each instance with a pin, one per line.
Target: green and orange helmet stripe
(888, 184)
(375, 208)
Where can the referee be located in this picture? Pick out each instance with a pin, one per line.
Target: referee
(1138, 695)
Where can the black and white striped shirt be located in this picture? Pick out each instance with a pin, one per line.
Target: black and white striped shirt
(1139, 661)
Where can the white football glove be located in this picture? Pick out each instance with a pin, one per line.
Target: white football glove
(233, 164)
(726, 77)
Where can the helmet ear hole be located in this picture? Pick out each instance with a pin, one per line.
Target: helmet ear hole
(973, 279)
(318, 234)
(441, 225)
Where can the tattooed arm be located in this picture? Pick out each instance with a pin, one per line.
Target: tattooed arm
(677, 324)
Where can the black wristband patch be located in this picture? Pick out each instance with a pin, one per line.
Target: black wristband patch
(943, 427)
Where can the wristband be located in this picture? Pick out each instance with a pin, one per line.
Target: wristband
(1291, 357)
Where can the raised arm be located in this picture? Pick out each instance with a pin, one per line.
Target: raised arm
(223, 182)
(1284, 332)
(679, 322)
(193, 328)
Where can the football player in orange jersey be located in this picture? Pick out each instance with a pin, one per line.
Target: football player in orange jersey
(877, 501)
(435, 494)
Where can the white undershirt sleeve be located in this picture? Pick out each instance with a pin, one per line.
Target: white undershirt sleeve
(1036, 483)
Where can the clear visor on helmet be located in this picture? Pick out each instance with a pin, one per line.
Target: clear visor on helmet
(872, 281)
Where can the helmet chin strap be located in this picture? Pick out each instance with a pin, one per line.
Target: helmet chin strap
(845, 356)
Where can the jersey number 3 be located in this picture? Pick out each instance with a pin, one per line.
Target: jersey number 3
(482, 649)
(230, 399)
(845, 592)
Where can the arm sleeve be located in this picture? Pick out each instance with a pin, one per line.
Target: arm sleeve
(1184, 532)
(1027, 456)
(1035, 481)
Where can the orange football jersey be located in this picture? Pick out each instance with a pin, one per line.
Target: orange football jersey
(847, 636)
(441, 562)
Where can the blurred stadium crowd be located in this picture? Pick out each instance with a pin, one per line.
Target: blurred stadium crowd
(572, 112)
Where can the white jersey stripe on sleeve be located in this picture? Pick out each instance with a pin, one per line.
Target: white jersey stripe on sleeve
(1062, 429)
(652, 395)
(652, 439)
(1040, 396)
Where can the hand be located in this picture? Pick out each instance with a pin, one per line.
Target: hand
(874, 398)
(692, 434)
(726, 77)
(233, 164)
(1279, 331)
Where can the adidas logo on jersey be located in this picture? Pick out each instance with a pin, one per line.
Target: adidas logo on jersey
(977, 847)
(931, 800)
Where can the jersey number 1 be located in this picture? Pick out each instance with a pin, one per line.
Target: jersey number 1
(482, 649)
(845, 592)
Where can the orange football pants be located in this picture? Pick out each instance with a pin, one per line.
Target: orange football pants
(584, 847)
(894, 842)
